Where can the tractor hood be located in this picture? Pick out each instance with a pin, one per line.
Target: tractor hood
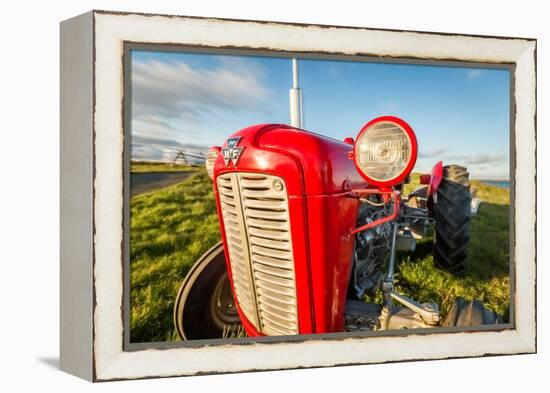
(312, 164)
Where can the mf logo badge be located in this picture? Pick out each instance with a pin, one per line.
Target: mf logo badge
(232, 152)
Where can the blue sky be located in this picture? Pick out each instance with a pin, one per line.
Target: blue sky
(193, 101)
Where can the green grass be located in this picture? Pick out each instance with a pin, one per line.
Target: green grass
(172, 227)
(487, 277)
(149, 167)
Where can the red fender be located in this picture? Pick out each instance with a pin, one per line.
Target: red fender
(435, 178)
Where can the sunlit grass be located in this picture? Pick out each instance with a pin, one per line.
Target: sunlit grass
(170, 229)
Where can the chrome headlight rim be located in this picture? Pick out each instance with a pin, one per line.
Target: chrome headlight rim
(210, 160)
(402, 125)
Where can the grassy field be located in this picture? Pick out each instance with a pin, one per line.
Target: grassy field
(151, 167)
(172, 227)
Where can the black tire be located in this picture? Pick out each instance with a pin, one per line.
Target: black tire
(204, 307)
(452, 212)
(473, 313)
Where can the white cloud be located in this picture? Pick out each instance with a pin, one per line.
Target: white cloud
(175, 90)
(434, 153)
(482, 165)
(485, 159)
(171, 100)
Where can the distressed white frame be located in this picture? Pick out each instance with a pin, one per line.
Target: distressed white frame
(111, 30)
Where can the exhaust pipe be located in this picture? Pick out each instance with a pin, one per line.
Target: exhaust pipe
(295, 98)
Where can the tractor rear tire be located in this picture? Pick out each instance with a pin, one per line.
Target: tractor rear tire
(452, 211)
(473, 313)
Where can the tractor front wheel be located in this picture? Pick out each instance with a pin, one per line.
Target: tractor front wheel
(204, 307)
(452, 212)
(472, 313)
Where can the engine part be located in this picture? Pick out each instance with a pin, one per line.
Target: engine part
(429, 312)
(418, 198)
(405, 318)
(474, 206)
(405, 241)
(362, 316)
(371, 247)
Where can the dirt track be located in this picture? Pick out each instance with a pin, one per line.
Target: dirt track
(145, 182)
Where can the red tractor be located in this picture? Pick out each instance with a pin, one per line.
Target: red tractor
(311, 225)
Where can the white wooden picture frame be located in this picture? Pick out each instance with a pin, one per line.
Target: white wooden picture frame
(92, 199)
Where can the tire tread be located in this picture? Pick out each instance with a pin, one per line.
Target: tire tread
(452, 219)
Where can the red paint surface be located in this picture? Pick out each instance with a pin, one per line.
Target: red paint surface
(425, 179)
(435, 178)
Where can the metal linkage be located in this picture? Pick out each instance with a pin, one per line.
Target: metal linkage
(387, 284)
(428, 312)
(395, 195)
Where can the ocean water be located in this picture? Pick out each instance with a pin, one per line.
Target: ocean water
(497, 183)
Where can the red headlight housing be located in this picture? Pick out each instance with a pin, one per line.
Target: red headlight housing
(385, 151)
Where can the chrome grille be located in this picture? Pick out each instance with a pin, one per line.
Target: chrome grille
(256, 220)
(237, 246)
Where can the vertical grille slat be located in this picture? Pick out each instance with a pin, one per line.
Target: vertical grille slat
(256, 220)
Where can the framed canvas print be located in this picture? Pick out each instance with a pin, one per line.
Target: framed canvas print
(248, 195)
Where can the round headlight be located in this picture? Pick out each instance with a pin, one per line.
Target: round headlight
(210, 159)
(385, 151)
